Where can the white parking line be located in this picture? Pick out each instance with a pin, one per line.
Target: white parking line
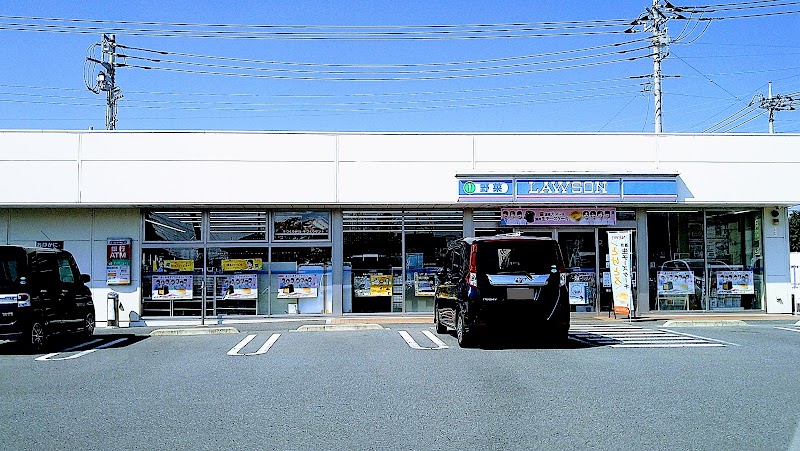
(51, 357)
(414, 345)
(789, 329)
(262, 350)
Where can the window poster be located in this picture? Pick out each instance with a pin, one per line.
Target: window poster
(240, 286)
(161, 265)
(735, 282)
(372, 285)
(172, 287)
(424, 284)
(307, 225)
(297, 286)
(242, 264)
(577, 293)
(675, 282)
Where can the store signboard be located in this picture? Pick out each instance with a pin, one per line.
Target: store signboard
(118, 261)
(495, 190)
(240, 286)
(584, 216)
(675, 282)
(309, 225)
(619, 250)
(577, 293)
(242, 264)
(735, 282)
(172, 286)
(297, 286)
(569, 188)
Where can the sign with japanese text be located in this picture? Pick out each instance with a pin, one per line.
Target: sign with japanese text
(174, 265)
(173, 287)
(50, 244)
(735, 282)
(240, 286)
(619, 248)
(557, 216)
(242, 264)
(309, 225)
(372, 285)
(118, 261)
(297, 286)
(495, 190)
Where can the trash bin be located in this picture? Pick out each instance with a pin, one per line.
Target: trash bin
(112, 303)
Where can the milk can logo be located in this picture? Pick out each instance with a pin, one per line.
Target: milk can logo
(469, 187)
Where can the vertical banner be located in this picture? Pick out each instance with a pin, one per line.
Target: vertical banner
(118, 261)
(619, 249)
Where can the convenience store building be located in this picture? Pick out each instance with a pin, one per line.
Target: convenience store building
(257, 223)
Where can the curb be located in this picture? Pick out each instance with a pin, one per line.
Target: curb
(197, 331)
(338, 327)
(703, 323)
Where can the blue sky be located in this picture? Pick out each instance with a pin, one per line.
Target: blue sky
(572, 82)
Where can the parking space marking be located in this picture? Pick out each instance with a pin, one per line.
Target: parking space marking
(414, 345)
(789, 329)
(262, 350)
(629, 336)
(51, 357)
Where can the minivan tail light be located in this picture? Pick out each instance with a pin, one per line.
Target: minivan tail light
(472, 275)
(23, 300)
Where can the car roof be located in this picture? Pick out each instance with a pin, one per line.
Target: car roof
(509, 237)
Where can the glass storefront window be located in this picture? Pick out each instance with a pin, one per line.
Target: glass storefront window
(705, 260)
(172, 281)
(305, 225)
(734, 260)
(238, 226)
(427, 237)
(238, 280)
(172, 226)
(300, 280)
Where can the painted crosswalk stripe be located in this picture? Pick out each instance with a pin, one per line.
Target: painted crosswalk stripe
(789, 329)
(262, 350)
(629, 336)
(414, 345)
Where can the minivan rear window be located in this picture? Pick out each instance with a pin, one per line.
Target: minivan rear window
(518, 257)
(10, 270)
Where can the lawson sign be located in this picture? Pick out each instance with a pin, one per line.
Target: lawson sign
(569, 189)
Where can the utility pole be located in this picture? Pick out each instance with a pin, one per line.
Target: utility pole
(106, 79)
(655, 21)
(773, 104)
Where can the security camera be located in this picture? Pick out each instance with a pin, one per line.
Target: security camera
(775, 213)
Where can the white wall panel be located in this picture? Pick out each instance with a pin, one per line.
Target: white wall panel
(203, 182)
(39, 146)
(50, 224)
(565, 148)
(39, 182)
(422, 148)
(178, 146)
(593, 167)
(398, 182)
(775, 149)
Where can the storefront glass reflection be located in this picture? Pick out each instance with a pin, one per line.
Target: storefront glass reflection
(300, 280)
(172, 281)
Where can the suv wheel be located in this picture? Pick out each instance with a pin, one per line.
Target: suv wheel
(464, 335)
(37, 337)
(88, 325)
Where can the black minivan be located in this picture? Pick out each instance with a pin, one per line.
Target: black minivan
(42, 293)
(503, 281)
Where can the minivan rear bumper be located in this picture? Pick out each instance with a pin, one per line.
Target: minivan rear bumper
(516, 313)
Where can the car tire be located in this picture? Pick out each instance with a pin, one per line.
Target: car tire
(37, 336)
(88, 325)
(464, 335)
(440, 328)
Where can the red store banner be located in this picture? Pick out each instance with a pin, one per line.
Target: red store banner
(578, 216)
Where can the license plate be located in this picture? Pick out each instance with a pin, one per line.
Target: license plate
(520, 293)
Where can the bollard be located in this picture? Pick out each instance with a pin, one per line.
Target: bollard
(112, 304)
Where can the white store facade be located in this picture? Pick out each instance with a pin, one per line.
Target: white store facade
(270, 224)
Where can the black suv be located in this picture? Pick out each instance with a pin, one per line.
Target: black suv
(503, 280)
(42, 293)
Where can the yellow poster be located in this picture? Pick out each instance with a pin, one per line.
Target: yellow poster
(380, 285)
(242, 264)
(175, 265)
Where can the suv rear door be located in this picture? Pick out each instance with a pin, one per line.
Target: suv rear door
(45, 286)
(70, 292)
